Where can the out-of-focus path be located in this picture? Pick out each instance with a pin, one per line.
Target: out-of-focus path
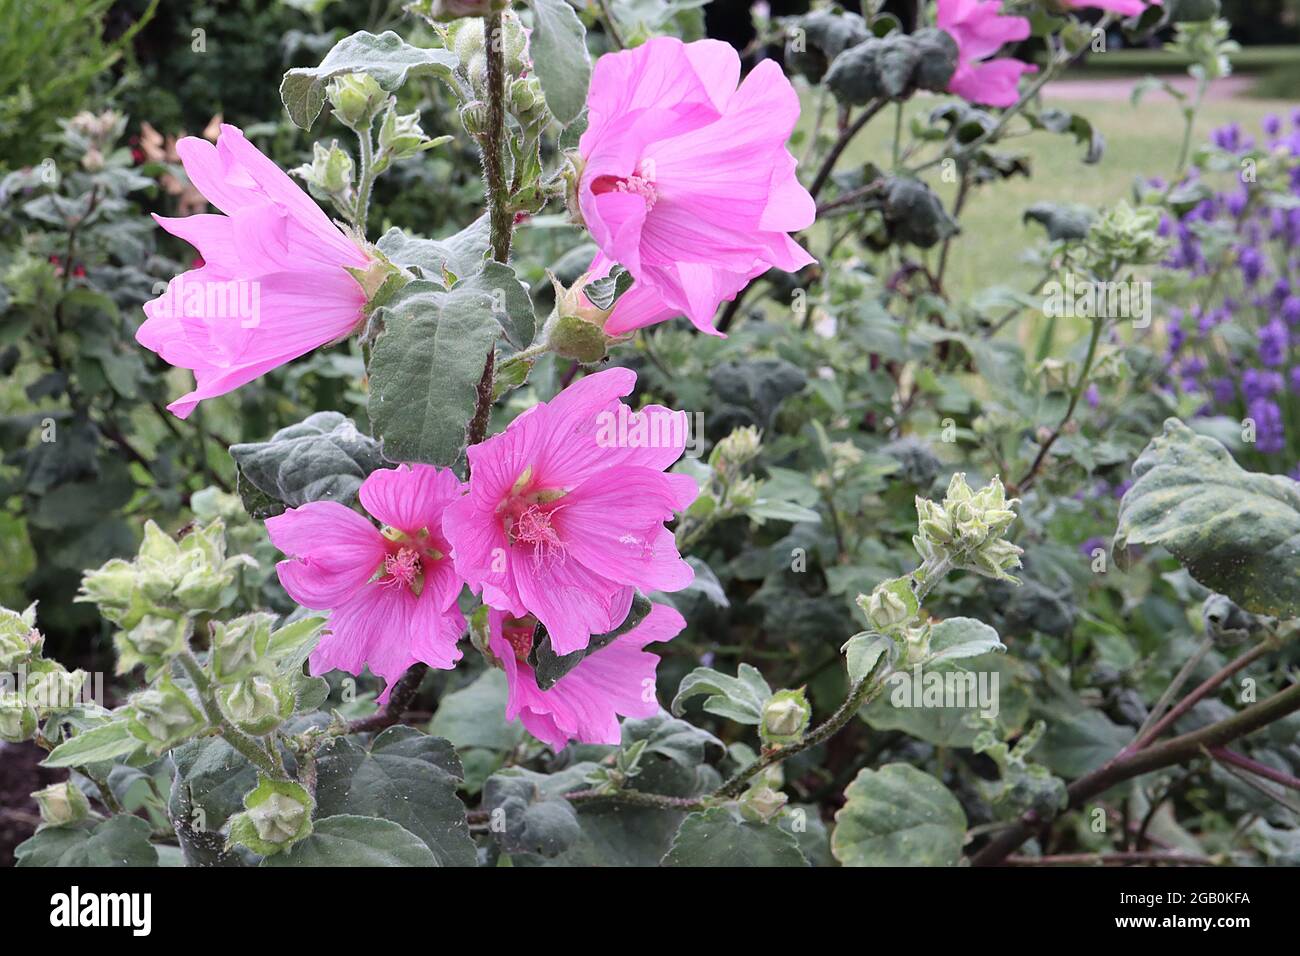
(1121, 87)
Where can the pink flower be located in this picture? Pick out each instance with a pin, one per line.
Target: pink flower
(688, 183)
(566, 508)
(980, 31)
(584, 704)
(272, 285)
(392, 595)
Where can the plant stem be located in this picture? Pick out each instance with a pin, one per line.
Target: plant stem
(492, 143)
(611, 27)
(1192, 699)
(1175, 685)
(1075, 395)
(365, 181)
(863, 692)
(1122, 768)
(846, 137)
(257, 755)
(1254, 766)
(399, 701)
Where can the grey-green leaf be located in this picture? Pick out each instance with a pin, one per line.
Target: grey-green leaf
(460, 254)
(559, 48)
(962, 637)
(898, 816)
(349, 840)
(1237, 532)
(386, 57)
(425, 369)
(404, 776)
(102, 743)
(738, 698)
(715, 837)
(118, 841)
(322, 458)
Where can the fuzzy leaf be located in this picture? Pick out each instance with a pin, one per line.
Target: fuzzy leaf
(898, 816)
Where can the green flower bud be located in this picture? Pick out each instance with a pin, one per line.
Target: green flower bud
(51, 687)
(152, 642)
(61, 804)
(114, 588)
(527, 102)
(465, 39)
(890, 605)
(239, 646)
(277, 815)
(738, 448)
(17, 719)
(356, 98)
(474, 117)
(785, 717)
(257, 705)
(163, 716)
(400, 136)
(761, 804)
(330, 172)
(19, 639)
(743, 492)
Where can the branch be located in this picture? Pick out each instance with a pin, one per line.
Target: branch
(1121, 768)
(846, 137)
(399, 702)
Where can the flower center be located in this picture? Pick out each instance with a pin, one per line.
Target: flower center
(636, 184)
(526, 518)
(403, 568)
(519, 633)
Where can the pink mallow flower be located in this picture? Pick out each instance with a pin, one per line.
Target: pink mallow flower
(687, 181)
(272, 285)
(584, 704)
(391, 593)
(566, 508)
(980, 31)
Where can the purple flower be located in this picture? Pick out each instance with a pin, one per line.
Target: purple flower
(1272, 124)
(1251, 263)
(1224, 390)
(1269, 433)
(1295, 379)
(1092, 396)
(1227, 137)
(1273, 342)
(1257, 384)
(1091, 545)
(1291, 310)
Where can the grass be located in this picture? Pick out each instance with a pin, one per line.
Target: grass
(1141, 140)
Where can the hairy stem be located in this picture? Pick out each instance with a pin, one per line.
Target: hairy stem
(257, 755)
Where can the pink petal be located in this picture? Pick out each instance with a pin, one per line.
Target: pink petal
(333, 552)
(410, 497)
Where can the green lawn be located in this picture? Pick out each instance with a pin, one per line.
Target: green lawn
(1141, 141)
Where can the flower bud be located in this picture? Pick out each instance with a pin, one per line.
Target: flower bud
(330, 172)
(113, 587)
(890, 605)
(277, 814)
(19, 639)
(61, 804)
(526, 100)
(163, 716)
(257, 705)
(576, 328)
(474, 117)
(51, 687)
(738, 448)
(761, 804)
(401, 137)
(17, 718)
(785, 717)
(356, 98)
(152, 642)
(743, 492)
(238, 646)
